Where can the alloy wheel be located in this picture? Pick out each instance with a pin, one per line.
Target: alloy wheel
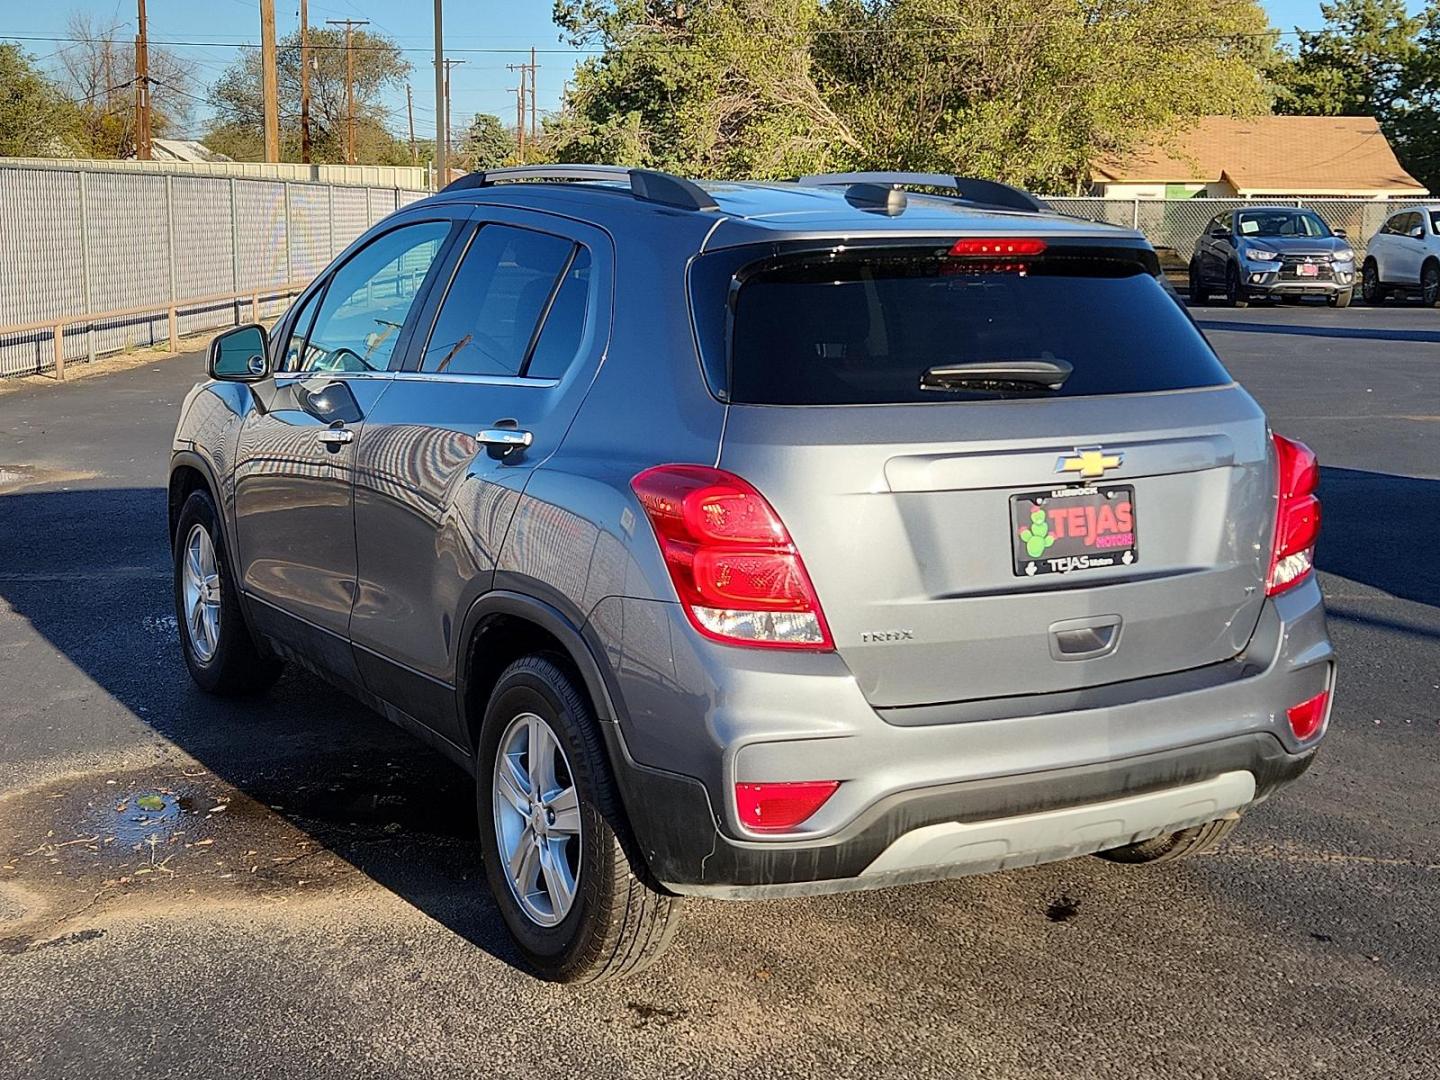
(200, 584)
(1430, 286)
(537, 819)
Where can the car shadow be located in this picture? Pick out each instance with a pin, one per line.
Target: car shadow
(1375, 333)
(1368, 532)
(89, 569)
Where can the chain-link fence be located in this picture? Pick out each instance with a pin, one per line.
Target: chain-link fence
(1177, 223)
(78, 242)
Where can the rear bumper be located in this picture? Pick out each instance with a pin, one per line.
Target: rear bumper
(958, 829)
(712, 717)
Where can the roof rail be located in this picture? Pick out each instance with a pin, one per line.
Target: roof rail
(982, 192)
(648, 185)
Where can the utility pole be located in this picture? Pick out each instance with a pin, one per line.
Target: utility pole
(142, 86)
(349, 25)
(448, 65)
(534, 67)
(304, 82)
(269, 83)
(410, 113)
(442, 118)
(519, 93)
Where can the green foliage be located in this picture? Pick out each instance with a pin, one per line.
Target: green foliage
(35, 118)
(237, 96)
(486, 144)
(1023, 90)
(1373, 58)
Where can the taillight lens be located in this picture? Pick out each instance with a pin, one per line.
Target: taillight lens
(734, 566)
(1297, 515)
(990, 247)
(778, 807)
(1306, 718)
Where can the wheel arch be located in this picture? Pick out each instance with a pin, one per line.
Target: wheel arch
(189, 472)
(503, 625)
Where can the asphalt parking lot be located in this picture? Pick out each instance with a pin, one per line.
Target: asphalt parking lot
(320, 913)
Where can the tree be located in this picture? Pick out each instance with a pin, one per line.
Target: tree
(238, 128)
(1029, 91)
(1356, 65)
(1414, 126)
(35, 118)
(487, 143)
(99, 75)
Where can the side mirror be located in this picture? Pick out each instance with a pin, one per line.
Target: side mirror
(241, 354)
(1341, 233)
(1418, 232)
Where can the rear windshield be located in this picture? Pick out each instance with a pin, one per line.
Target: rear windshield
(861, 328)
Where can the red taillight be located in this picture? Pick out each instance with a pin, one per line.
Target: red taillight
(1297, 516)
(1306, 718)
(776, 807)
(997, 247)
(737, 573)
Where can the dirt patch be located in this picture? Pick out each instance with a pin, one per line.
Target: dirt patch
(164, 839)
(15, 477)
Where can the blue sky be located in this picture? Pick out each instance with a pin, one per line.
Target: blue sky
(486, 34)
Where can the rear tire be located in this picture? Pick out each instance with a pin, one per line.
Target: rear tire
(1198, 293)
(600, 919)
(1340, 299)
(1234, 291)
(220, 652)
(1177, 845)
(1372, 290)
(1430, 284)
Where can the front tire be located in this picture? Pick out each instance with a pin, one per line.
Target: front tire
(1171, 846)
(1198, 293)
(553, 834)
(1340, 299)
(1372, 291)
(220, 653)
(1234, 291)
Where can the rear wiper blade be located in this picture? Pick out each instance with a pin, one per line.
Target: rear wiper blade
(999, 376)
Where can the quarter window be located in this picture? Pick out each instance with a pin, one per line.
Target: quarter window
(369, 298)
(506, 283)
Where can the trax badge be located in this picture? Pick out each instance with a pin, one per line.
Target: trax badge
(1089, 461)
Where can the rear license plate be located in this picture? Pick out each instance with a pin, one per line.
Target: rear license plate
(1070, 529)
(1308, 270)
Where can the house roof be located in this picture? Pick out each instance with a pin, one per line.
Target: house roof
(1270, 155)
(183, 150)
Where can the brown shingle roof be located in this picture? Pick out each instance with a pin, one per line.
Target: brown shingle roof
(1274, 154)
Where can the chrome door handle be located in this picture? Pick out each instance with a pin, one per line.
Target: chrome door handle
(505, 440)
(335, 436)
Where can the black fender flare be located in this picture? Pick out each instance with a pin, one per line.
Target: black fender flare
(558, 624)
(191, 459)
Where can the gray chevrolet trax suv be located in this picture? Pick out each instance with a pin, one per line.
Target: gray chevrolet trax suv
(762, 539)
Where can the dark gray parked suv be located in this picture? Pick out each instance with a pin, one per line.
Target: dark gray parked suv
(756, 540)
(1271, 253)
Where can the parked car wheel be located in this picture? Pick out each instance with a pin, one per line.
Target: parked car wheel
(1430, 284)
(219, 651)
(1234, 291)
(1198, 292)
(1341, 298)
(1176, 845)
(553, 834)
(1371, 290)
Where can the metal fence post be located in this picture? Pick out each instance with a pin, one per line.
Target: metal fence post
(84, 265)
(173, 329)
(1135, 214)
(234, 251)
(289, 237)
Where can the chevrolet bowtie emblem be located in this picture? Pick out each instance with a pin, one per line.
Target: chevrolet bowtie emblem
(1089, 461)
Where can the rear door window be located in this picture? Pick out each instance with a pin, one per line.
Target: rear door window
(501, 291)
(862, 328)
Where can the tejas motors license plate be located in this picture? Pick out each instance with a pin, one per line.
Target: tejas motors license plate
(1070, 529)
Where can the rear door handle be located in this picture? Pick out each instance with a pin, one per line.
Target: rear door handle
(503, 442)
(335, 436)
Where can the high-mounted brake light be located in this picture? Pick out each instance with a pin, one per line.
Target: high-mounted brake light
(1297, 516)
(734, 566)
(777, 807)
(990, 247)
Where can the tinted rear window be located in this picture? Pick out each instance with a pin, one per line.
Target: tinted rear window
(860, 328)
